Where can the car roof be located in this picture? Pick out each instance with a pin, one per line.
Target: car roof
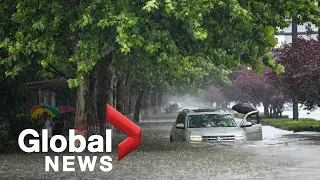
(205, 111)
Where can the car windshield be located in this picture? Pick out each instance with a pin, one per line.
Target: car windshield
(211, 120)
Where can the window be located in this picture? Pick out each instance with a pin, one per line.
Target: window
(45, 97)
(211, 120)
(53, 98)
(255, 119)
(181, 118)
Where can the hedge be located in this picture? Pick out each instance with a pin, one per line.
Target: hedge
(303, 124)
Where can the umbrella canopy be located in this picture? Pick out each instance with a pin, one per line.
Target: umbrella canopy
(244, 108)
(66, 109)
(39, 110)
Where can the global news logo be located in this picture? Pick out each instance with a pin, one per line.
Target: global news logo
(96, 143)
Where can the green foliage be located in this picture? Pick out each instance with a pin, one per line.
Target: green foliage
(24, 121)
(303, 124)
(171, 41)
(11, 130)
(16, 96)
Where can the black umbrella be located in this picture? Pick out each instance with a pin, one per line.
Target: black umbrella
(244, 108)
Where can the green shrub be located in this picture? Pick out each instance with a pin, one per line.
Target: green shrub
(22, 122)
(10, 131)
(303, 124)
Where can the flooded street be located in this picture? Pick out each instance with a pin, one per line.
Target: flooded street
(281, 155)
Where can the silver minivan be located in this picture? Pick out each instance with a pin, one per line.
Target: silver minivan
(214, 125)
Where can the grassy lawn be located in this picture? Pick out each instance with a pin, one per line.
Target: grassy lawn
(303, 124)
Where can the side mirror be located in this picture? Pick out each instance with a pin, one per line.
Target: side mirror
(246, 124)
(180, 126)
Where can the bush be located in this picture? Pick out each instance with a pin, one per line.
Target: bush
(22, 122)
(9, 132)
(303, 124)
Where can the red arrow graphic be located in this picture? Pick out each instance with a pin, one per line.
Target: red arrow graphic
(126, 126)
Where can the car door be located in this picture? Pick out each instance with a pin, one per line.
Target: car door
(254, 132)
(179, 133)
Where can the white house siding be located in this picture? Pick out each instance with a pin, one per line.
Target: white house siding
(285, 35)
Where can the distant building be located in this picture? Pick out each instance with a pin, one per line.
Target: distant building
(285, 35)
(47, 90)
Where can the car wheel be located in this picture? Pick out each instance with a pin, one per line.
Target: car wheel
(171, 140)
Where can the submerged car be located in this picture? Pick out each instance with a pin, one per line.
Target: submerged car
(213, 125)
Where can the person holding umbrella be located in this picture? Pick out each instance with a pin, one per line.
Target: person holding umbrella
(48, 124)
(58, 126)
(47, 112)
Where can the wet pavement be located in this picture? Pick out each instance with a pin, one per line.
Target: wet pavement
(280, 155)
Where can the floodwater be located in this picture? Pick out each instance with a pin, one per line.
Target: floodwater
(280, 155)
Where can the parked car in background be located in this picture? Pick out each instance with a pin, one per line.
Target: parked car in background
(173, 107)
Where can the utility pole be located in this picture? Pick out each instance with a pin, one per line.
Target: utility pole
(295, 108)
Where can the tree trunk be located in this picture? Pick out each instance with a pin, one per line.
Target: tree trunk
(319, 28)
(148, 104)
(137, 107)
(265, 109)
(114, 93)
(270, 112)
(120, 95)
(104, 89)
(153, 103)
(160, 101)
(125, 99)
(275, 112)
(295, 101)
(130, 99)
(225, 105)
(295, 109)
(86, 111)
(92, 118)
(133, 99)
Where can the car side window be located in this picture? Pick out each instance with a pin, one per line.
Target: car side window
(181, 119)
(255, 118)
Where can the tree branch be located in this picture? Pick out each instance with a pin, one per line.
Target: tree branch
(107, 51)
(52, 71)
(59, 72)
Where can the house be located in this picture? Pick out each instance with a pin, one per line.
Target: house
(285, 35)
(47, 90)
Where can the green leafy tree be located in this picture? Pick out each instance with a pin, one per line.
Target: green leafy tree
(71, 37)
